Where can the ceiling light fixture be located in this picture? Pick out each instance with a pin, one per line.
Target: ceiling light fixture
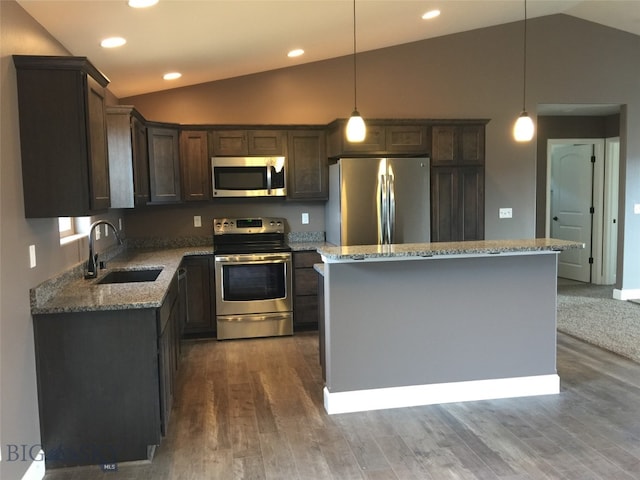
(523, 129)
(142, 3)
(295, 53)
(112, 42)
(431, 14)
(172, 76)
(356, 129)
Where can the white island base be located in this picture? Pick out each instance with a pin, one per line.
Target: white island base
(402, 330)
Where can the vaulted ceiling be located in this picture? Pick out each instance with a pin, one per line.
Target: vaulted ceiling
(209, 40)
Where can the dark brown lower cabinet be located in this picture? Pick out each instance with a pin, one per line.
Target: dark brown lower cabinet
(105, 382)
(457, 204)
(305, 286)
(200, 296)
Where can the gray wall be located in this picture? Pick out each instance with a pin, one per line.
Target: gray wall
(475, 74)
(20, 34)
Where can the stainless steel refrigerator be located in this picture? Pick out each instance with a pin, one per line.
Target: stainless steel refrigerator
(378, 201)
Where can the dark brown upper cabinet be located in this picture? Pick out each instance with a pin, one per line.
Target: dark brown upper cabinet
(249, 142)
(307, 165)
(384, 137)
(65, 168)
(194, 165)
(164, 164)
(128, 157)
(457, 145)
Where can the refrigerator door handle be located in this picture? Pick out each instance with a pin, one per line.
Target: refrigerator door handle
(381, 196)
(391, 209)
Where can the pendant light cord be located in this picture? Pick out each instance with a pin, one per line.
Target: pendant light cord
(355, 91)
(524, 60)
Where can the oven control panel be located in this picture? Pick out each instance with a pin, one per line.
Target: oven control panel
(225, 226)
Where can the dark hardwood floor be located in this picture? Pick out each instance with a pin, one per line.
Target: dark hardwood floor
(252, 409)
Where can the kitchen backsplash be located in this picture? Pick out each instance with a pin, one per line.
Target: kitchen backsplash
(158, 222)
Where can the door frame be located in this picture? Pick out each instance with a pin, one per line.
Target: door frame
(605, 185)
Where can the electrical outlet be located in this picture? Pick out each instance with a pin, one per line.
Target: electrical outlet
(197, 221)
(32, 256)
(506, 213)
(305, 218)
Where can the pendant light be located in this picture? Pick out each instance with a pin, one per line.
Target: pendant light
(523, 128)
(356, 129)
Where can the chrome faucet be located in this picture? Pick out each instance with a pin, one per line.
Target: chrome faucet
(92, 264)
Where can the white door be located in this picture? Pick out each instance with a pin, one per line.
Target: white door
(571, 207)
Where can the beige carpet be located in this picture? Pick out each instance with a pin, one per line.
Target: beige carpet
(590, 313)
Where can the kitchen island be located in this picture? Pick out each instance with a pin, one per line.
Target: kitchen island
(428, 323)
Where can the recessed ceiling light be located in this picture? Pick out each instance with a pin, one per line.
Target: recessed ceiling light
(172, 76)
(142, 3)
(112, 42)
(295, 53)
(431, 14)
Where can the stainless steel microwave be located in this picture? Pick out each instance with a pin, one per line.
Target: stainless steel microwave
(248, 176)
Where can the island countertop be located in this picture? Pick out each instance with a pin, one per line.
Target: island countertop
(439, 249)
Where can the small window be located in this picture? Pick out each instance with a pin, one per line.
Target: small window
(73, 228)
(66, 226)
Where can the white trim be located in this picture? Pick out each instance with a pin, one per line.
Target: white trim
(414, 395)
(36, 470)
(72, 238)
(627, 294)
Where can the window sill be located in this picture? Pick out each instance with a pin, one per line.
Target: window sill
(72, 238)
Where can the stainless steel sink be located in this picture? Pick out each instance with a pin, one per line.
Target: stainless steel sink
(129, 276)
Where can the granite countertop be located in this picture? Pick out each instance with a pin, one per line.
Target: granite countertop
(470, 248)
(70, 292)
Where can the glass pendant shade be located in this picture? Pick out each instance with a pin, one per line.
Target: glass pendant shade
(356, 129)
(523, 128)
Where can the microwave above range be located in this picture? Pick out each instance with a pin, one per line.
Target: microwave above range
(248, 176)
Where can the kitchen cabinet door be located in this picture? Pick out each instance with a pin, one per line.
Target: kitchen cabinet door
(140, 162)
(307, 165)
(457, 145)
(128, 159)
(98, 385)
(248, 142)
(200, 315)
(194, 163)
(63, 136)
(164, 164)
(384, 137)
(457, 204)
(305, 286)
(168, 316)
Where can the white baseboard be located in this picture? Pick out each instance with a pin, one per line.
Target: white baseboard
(627, 294)
(414, 395)
(36, 470)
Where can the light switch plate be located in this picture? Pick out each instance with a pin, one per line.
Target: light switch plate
(197, 221)
(305, 218)
(32, 256)
(636, 208)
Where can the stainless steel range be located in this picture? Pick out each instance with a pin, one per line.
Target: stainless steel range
(252, 277)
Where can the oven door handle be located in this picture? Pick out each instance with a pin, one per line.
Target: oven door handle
(254, 258)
